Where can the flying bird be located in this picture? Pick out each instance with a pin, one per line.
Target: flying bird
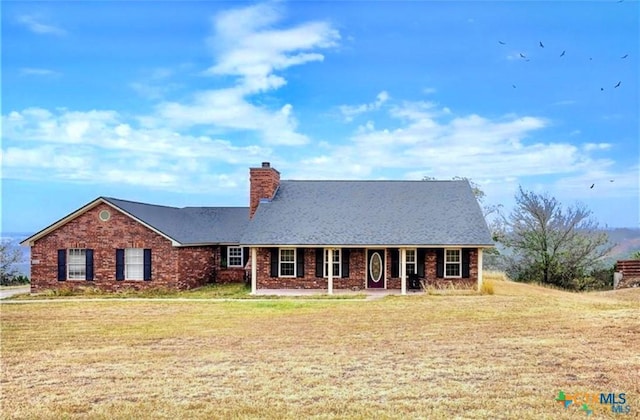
(541, 44)
(592, 185)
(617, 84)
(514, 86)
(625, 56)
(562, 55)
(601, 89)
(522, 55)
(502, 43)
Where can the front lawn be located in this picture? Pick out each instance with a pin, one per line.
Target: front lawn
(505, 355)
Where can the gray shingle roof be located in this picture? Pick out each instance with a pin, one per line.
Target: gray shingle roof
(370, 213)
(190, 225)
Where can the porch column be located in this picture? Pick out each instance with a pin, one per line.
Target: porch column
(403, 271)
(479, 269)
(254, 271)
(329, 270)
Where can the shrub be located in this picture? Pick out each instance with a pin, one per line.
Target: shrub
(486, 288)
(14, 280)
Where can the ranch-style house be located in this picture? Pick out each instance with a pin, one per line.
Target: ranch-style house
(295, 234)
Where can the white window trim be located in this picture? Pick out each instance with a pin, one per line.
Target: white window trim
(459, 262)
(127, 264)
(229, 256)
(414, 263)
(280, 262)
(325, 265)
(70, 263)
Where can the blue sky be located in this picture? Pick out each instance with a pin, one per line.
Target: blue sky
(172, 102)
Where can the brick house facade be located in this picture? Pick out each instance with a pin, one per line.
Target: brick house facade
(170, 266)
(294, 234)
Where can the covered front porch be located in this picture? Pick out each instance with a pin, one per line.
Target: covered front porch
(397, 269)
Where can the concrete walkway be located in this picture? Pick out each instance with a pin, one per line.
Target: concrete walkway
(370, 293)
(12, 291)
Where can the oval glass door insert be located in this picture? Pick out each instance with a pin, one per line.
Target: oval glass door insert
(375, 267)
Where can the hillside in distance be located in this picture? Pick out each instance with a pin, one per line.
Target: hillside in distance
(625, 242)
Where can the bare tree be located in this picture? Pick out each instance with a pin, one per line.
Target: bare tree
(10, 255)
(552, 244)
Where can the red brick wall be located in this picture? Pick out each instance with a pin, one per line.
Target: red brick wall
(263, 184)
(172, 267)
(230, 275)
(630, 270)
(201, 265)
(357, 272)
(196, 266)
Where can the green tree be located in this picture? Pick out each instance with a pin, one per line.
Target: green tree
(552, 244)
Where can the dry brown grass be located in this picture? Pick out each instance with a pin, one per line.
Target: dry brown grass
(493, 356)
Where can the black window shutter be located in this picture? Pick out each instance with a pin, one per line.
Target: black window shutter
(88, 253)
(274, 262)
(420, 256)
(440, 262)
(62, 264)
(346, 253)
(300, 262)
(245, 255)
(223, 256)
(147, 264)
(395, 262)
(119, 264)
(466, 254)
(319, 262)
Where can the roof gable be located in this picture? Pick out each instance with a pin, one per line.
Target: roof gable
(367, 213)
(182, 226)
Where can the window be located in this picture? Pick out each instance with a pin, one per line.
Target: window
(411, 262)
(134, 264)
(77, 264)
(335, 263)
(452, 263)
(234, 256)
(287, 262)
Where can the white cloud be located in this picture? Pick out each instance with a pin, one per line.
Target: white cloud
(248, 46)
(102, 147)
(30, 71)
(350, 111)
(431, 142)
(156, 83)
(588, 147)
(36, 25)
(160, 150)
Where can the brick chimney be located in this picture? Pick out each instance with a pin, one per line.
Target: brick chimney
(263, 182)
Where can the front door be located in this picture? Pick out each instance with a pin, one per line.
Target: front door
(375, 269)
